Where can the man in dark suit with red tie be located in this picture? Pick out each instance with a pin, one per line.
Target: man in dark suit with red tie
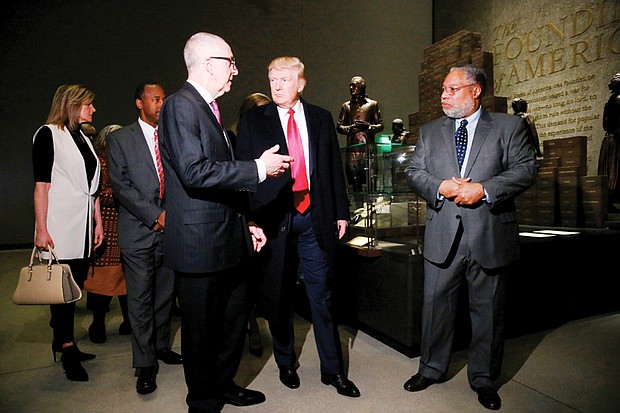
(207, 235)
(303, 212)
(134, 166)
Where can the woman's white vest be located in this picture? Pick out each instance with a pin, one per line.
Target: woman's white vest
(70, 199)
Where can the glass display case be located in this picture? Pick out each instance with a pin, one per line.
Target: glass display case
(384, 210)
(383, 257)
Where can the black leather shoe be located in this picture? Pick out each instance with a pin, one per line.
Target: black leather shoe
(146, 382)
(238, 396)
(169, 357)
(489, 398)
(418, 382)
(343, 385)
(289, 378)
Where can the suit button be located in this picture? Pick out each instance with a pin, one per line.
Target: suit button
(282, 229)
(458, 217)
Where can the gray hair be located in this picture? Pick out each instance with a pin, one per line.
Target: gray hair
(474, 74)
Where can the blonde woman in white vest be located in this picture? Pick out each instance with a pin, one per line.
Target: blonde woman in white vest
(66, 206)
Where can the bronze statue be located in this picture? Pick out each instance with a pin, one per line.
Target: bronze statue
(360, 119)
(519, 106)
(609, 157)
(399, 134)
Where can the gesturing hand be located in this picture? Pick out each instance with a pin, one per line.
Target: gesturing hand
(275, 164)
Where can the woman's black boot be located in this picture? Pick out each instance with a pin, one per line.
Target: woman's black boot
(57, 348)
(71, 363)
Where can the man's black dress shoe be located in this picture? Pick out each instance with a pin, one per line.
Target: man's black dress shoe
(489, 398)
(343, 385)
(169, 357)
(418, 382)
(289, 378)
(146, 382)
(238, 396)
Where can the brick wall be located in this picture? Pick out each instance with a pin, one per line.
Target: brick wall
(458, 49)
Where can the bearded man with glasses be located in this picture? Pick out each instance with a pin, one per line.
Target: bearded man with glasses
(469, 166)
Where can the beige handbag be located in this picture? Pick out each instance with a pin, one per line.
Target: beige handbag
(46, 283)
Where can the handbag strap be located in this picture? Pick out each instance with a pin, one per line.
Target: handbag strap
(52, 255)
(37, 251)
(34, 251)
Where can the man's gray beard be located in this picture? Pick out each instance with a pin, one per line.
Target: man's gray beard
(454, 113)
(459, 112)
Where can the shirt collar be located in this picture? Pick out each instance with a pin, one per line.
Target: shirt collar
(146, 128)
(471, 119)
(202, 91)
(297, 107)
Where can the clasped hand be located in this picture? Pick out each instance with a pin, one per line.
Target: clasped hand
(275, 163)
(462, 191)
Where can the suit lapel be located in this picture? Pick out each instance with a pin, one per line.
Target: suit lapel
(482, 131)
(447, 135)
(201, 102)
(207, 109)
(313, 134)
(139, 141)
(275, 127)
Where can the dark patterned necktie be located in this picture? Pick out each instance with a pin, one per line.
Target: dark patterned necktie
(461, 142)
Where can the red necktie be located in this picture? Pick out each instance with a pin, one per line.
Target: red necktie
(160, 167)
(216, 111)
(301, 194)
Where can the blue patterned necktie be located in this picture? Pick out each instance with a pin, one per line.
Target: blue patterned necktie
(461, 142)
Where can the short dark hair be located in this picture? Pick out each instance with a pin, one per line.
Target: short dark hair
(139, 93)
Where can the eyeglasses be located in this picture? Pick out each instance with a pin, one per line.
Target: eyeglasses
(452, 90)
(230, 60)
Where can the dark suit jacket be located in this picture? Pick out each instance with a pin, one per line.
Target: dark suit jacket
(502, 159)
(135, 184)
(272, 204)
(205, 189)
